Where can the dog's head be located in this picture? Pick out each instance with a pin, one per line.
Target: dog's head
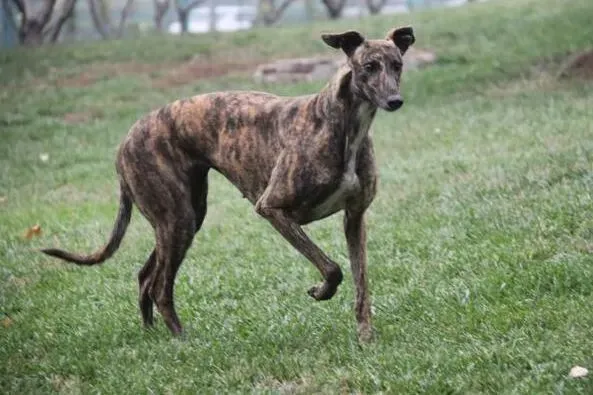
(376, 64)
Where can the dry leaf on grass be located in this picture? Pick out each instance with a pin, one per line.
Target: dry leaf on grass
(3, 199)
(578, 372)
(5, 320)
(44, 157)
(34, 230)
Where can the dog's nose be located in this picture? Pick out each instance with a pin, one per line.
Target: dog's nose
(394, 102)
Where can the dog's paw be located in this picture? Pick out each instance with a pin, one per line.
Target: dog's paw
(323, 291)
(365, 334)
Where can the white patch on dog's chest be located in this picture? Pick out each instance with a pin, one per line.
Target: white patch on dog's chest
(350, 184)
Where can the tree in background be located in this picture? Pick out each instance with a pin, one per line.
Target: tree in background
(310, 10)
(334, 8)
(213, 17)
(9, 27)
(70, 26)
(183, 9)
(160, 10)
(269, 12)
(42, 21)
(375, 6)
(101, 15)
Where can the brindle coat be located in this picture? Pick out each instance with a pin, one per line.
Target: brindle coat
(297, 160)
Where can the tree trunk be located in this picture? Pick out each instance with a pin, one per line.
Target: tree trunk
(31, 33)
(334, 8)
(70, 25)
(184, 10)
(63, 10)
(9, 27)
(269, 13)
(99, 14)
(263, 9)
(375, 6)
(101, 27)
(309, 10)
(33, 23)
(183, 15)
(46, 23)
(161, 7)
(212, 18)
(125, 12)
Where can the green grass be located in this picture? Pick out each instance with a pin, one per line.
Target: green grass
(480, 238)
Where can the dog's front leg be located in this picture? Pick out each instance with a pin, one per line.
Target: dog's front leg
(355, 229)
(331, 272)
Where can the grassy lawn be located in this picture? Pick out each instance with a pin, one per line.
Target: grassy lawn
(480, 238)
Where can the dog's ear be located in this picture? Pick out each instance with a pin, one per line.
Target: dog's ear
(347, 41)
(402, 37)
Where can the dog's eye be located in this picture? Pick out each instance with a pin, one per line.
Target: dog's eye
(397, 66)
(371, 67)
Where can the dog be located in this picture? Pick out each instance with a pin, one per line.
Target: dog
(297, 159)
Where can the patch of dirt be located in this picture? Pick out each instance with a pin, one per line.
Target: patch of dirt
(75, 118)
(98, 71)
(579, 65)
(78, 81)
(162, 75)
(195, 70)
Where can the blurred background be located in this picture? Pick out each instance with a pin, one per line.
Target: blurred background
(33, 22)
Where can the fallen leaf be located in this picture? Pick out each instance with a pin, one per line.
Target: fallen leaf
(578, 372)
(3, 199)
(44, 157)
(6, 321)
(34, 230)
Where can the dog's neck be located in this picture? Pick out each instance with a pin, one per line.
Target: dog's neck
(343, 107)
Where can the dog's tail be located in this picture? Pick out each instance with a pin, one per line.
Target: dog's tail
(117, 234)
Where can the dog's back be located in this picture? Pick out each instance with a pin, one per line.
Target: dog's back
(236, 133)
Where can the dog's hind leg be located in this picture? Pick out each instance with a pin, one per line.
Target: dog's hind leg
(173, 240)
(144, 284)
(174, 236)
(146, 276)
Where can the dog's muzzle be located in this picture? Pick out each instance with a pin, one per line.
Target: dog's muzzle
(394, 102)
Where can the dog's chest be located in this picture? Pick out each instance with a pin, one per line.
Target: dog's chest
(349, 185)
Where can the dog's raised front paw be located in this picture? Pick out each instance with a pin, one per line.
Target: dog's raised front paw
(323, 291)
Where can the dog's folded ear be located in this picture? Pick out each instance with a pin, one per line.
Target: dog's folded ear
(402, 37)
(347, 41)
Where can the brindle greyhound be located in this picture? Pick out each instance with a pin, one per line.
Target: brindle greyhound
(297, 159)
